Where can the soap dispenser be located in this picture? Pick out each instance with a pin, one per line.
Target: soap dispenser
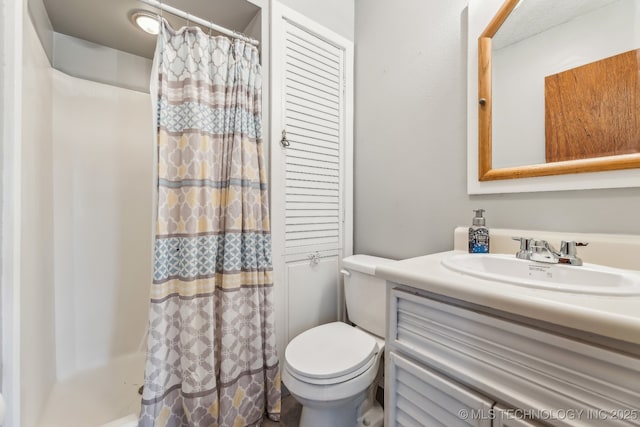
(478, 234)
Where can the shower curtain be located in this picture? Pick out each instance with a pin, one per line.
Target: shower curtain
(211, 358)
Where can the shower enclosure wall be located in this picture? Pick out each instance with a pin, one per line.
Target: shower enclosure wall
(86, 256)
(86, 232)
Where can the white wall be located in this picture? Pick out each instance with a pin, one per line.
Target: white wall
(38, 13)
(103, 158)
(337, 15)
(37, 311)
(254, 29)
(80, 58)
(11, 85)
(4, 126)
(410, 144)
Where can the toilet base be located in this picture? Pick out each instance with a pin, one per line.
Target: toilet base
(323, 417)
(360, 411)
(335, 414)
(373, 417)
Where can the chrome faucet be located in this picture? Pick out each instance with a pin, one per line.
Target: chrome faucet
(543, 251)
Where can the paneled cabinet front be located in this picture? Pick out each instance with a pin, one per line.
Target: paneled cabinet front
(422, 397)
(549, 378)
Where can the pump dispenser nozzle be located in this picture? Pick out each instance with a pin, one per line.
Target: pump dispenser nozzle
(479, 220)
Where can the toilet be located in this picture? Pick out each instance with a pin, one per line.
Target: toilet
(333, 369)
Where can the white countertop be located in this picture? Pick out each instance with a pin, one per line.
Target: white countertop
(616, 317)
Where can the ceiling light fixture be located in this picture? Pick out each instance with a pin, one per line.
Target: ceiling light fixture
(145, 20)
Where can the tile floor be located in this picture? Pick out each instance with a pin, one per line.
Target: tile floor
(289, 416)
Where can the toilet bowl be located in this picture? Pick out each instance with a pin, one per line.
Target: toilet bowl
(333, 369)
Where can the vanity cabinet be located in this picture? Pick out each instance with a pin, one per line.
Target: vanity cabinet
(446, 359)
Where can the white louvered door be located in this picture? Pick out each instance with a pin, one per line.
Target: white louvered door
(312, 123)
(311, 170)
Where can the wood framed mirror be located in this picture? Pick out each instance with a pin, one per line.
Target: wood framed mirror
(590, 163)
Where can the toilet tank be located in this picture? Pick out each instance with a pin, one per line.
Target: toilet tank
(365, 294)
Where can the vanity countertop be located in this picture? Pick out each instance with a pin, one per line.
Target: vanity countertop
(616, 317)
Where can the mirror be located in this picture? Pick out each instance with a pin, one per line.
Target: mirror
(528, 41)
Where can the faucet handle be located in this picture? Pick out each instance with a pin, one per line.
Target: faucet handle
(524, 242)
(568, 247)
(525, 247)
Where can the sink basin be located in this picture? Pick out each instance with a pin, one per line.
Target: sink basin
(585, 279)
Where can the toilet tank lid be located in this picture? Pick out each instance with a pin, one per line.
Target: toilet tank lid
(364, 263)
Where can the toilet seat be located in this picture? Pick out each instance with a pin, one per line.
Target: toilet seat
(330, 354)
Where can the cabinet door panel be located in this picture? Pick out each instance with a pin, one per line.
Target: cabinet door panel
(422, 397)
(313, 293)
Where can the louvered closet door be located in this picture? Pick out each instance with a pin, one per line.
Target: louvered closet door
(313, 160)
(311, 183)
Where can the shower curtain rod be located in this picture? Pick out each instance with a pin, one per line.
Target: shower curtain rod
(182, 14)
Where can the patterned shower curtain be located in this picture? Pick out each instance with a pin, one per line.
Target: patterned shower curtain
(211, 357)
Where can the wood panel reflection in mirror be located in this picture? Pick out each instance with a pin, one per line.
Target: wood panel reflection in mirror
(593, 110)
(490, 163)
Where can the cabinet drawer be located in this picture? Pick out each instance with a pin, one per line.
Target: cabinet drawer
(421, 397)
(517, 364)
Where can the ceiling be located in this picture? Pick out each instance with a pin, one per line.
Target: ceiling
(531, 17)
(106, 22)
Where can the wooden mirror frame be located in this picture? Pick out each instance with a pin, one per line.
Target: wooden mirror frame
(485, 169)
